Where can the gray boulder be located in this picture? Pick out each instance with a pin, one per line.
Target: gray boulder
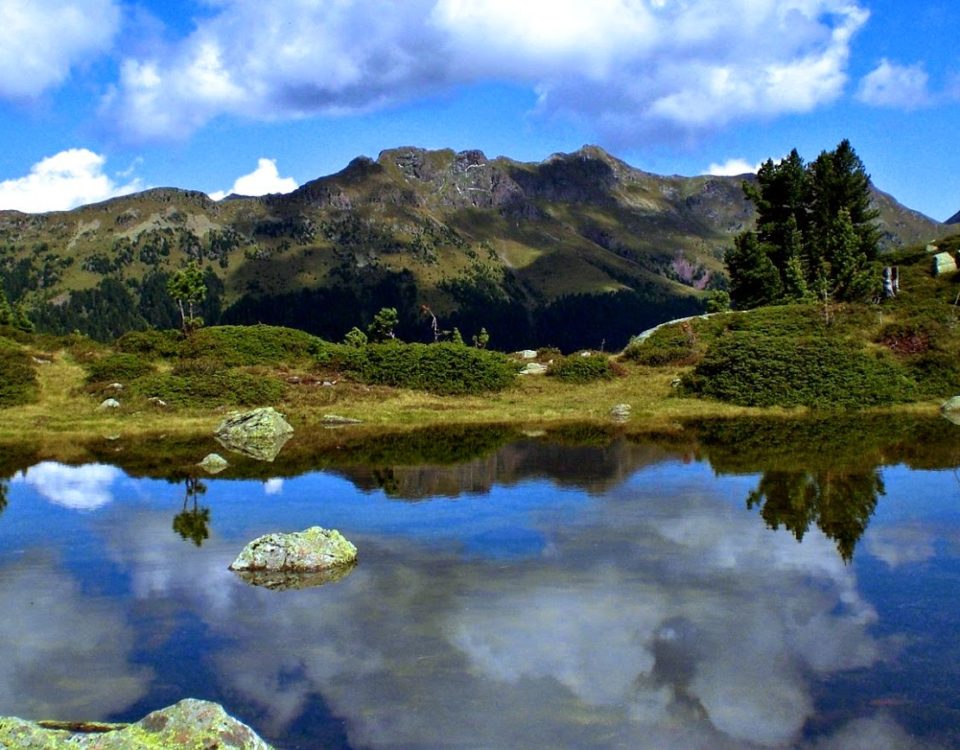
(533, 368)
(260, 433)
(620, 413)
(189, 723)
(109, 403)
(311, 550)
(950, 409)
(213, 463)
(302, 553)
(943, 263)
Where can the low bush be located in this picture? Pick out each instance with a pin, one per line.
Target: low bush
(252, 345)
(577, 369)
(18, 376)
(150, 343)
(439, 368)
(117, 367)
(755, 370)
(670, 345)
(206, 381)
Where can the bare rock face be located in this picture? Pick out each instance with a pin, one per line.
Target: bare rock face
(189, 723)
(260, 433)
(298, 560)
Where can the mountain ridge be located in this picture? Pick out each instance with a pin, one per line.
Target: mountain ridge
(577, 250)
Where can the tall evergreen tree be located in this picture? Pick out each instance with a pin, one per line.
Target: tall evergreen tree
(815, 232)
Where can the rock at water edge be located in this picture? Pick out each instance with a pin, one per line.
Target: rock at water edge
(213, 463)
(260, 433)
(189, 723)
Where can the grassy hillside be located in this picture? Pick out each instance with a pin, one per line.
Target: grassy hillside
(580, 250)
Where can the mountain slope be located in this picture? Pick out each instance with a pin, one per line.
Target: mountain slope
(578, 250)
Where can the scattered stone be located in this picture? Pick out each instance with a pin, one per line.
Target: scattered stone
(329, 383)
(41, 361)
(337, 419)
(213, 463)
(260, 433)
(189, 723)
(527, 354)
(115, 386)
(114, 436)
(110, 403)
(676, 383)
(586, 354)
(943, 263)
(294, 380)
(159, 402)
(533, 368)
(620, 412)
(304, 558)
(950, 409)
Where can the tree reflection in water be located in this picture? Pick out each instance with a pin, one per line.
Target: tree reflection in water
(839, 503)
(3, 496)
(193, 523)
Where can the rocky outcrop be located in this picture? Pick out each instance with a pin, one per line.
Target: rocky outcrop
(189, 723)
(260, 433)
(305, 558)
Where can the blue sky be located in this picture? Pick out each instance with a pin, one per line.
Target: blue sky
(103, 97)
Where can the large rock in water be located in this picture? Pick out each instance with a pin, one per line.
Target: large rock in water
(297, 560)
(260, 433)
(189, 723)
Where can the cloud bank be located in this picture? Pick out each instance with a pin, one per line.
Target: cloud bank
(41, 41)
(63, 181)
(265, 179)
(635, 68)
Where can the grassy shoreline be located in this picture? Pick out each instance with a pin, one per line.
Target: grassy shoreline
(65, 411)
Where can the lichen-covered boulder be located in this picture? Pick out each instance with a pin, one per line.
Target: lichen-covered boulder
(213, 463)
(260, 433)
(189, 723)
(951, 409)
(302, 552)
(943, 263)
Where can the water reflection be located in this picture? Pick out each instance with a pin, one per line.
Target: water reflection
(839, 503)
(193, 523)
(611, 595)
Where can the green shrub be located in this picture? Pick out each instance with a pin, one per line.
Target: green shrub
(754, 370)
(577, 369)
(150, 343)
(439, 368)
(251, 345)
(120, 367)
(670, 345)
(18, 376)
(205, 381)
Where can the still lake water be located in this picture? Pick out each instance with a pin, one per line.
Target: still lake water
(753, 588)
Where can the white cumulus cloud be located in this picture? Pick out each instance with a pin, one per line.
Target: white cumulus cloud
(896, 86)
(85, 487)
(63, 181)
(41, 41)
(632, 67)
(732, 168)
(265, 179)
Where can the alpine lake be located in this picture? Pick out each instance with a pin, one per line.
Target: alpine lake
(727, 584)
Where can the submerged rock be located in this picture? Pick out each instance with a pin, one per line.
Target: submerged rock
(213, 463)
(311, 551)
(260, 433)
(189, 723)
